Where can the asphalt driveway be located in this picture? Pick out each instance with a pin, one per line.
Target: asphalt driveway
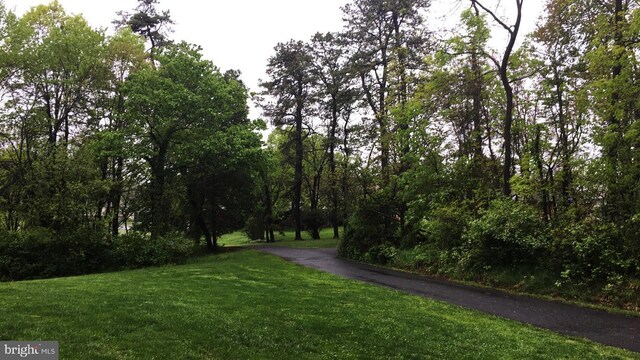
(607, 328)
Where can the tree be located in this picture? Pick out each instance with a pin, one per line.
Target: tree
(149, 23)
(220, 168)
(125, 56)
(164, 104)
(336, 96)
(315, 161)
(613, 67)
(290, 86)
(387, 39)
(57, 71)
(458, 89)
(503, 71)
(7, 21)
(562, 50)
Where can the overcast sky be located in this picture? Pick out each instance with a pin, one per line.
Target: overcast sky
(241, 34)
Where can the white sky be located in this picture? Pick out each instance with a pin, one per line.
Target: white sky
(241, 34)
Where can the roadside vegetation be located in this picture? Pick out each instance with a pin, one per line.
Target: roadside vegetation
(246, 304)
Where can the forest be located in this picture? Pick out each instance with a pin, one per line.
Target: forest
(516, 165)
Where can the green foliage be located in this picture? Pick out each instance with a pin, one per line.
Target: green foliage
(254, 228)
(372, 224)
(445, 225)
(507, 233)
(42, 253)
(313, 219)
(586, 253)
(137, 250)
(381, 254)
(425, 257)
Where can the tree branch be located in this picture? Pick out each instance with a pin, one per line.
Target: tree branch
(494, 16)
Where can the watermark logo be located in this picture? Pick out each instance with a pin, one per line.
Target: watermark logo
(37, 350)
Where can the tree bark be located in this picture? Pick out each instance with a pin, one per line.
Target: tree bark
(159, 206)
(297, 194)
(332, 167)
(268, 211)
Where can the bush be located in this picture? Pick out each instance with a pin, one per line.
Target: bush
(585, 253)
(373, 223)
(444, 225)
(39, 253)
(421, 257)
(28, 254)
(139, 250)
(254, 228)
(42, 253)
(313, 220)
(381, 254)
(508, 233)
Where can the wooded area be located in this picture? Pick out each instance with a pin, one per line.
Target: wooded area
(433, 151)
(455, 158)
(113, 153)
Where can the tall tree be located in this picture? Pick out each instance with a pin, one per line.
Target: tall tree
(336, 95)
(613, 65)
(386, 37)
(562, 50)
(125, 56)
(503, 71)
(290, 87)
(167, 104)
(315, 160)
(58, 70)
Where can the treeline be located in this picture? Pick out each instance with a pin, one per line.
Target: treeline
(450, 156)
(115, 150)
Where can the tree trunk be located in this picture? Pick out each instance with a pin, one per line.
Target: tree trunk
(565, 182)
(537, 149)
(212, 197)
(618, 194)
(159, 205)
(332, 167)
(116, 197)
(297, 194)
(196, 200)
(477, 113)
(315, 200)
(268, 211)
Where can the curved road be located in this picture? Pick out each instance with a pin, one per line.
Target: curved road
(600, 326)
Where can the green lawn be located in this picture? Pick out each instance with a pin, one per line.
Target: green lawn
(248, 305)
(239, 238)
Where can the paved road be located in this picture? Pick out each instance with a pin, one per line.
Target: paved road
(600, 326)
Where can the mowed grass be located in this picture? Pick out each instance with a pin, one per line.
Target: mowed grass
(248, 305)
(287, 239)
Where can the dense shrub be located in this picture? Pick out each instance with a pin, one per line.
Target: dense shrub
(444, 225)
(422, 257)
(373, 223)
(631, 236)
(138, 250)
(42, 253)
(507, 233)
(588, 253)
(313, 220)
(254, 228)
(381, 254)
